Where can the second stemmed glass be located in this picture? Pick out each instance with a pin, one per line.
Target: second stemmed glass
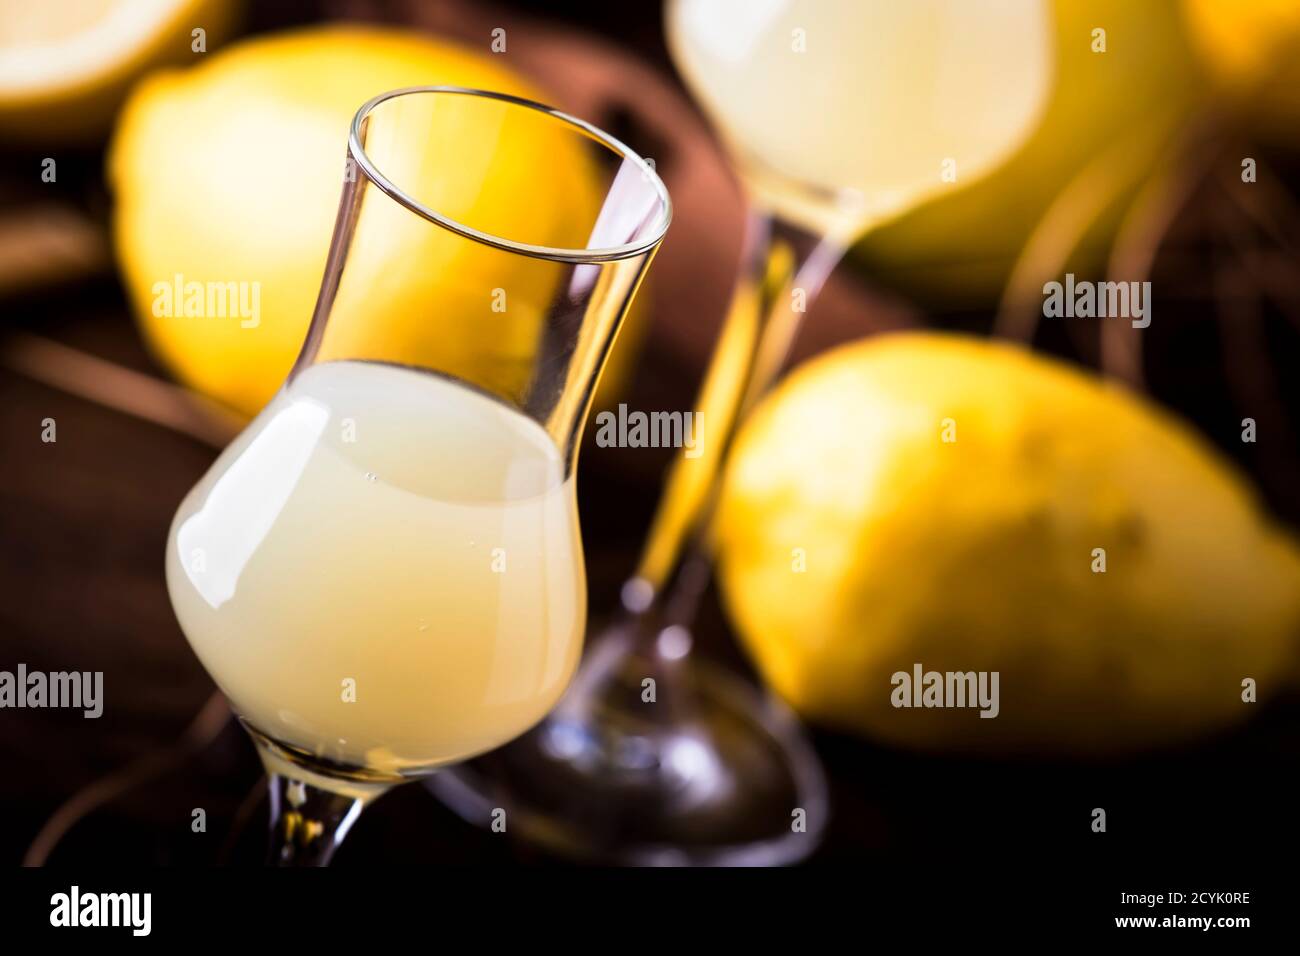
(839, 114)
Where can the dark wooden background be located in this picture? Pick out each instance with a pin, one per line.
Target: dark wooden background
(83, 523)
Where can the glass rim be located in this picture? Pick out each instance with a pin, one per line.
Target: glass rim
(557, 254)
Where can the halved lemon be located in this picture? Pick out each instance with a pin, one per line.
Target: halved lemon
(65, 67)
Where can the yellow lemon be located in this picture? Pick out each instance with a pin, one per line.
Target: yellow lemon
(231, 173)
(963, 506)
(1252, 48)
(65, 66)
(1243, 39)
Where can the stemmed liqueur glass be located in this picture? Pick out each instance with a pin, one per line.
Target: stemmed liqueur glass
(839, 114)
(383, 572)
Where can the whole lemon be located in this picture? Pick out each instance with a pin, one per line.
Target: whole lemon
(932, 500)
(231, 172)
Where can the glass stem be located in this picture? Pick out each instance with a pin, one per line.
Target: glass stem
(307, 823)
(782, 270)
(310, 814)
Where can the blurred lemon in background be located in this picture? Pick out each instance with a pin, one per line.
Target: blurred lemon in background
(65, 66)
(1243, 39)
(1252, 48)
(232, 172)
(855, 542)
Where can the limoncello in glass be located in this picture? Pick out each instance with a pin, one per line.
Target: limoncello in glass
(845, 112)
(384, 571)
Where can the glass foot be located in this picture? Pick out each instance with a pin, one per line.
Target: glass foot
(653, 758)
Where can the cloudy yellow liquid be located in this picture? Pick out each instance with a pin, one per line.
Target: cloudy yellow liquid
(841, 112)
(384, 570)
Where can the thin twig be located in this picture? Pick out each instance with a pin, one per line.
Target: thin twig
(144, 397)
(1272, 207)
(122, 389)
(1246, 358)
(1093, 190)
(1143, 229)
(203, 729)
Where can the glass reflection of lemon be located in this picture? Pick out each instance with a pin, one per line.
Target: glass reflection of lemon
(855, 542)
(231, 172)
